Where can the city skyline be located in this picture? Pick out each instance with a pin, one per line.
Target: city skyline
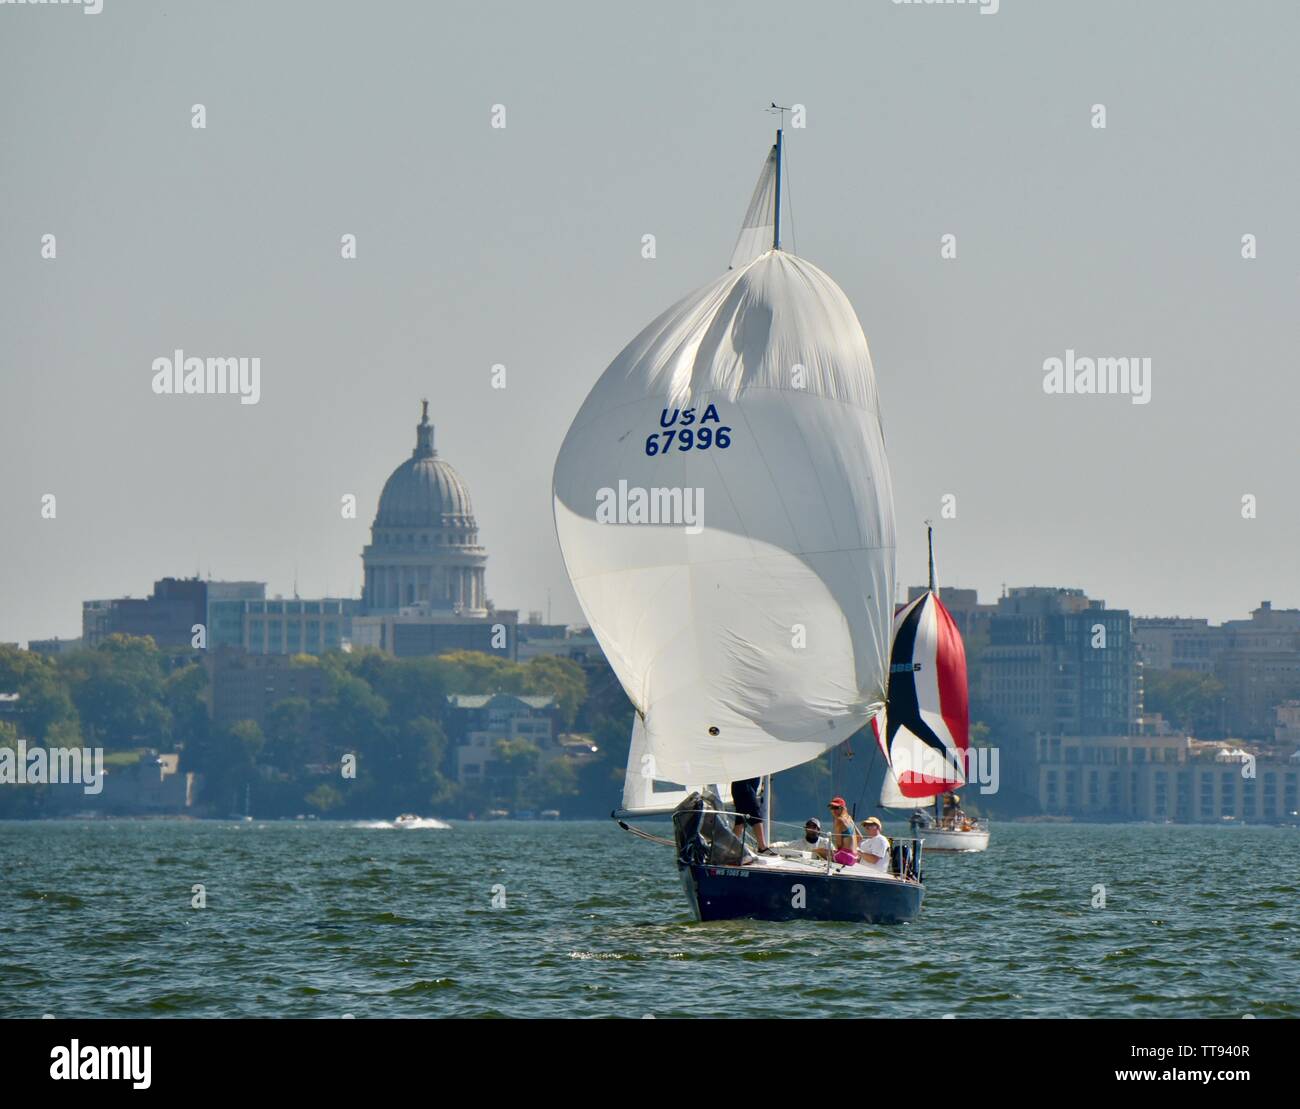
(425, 434)
(904, 589)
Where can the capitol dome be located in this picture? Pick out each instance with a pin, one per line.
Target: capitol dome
(424, 491)
(424, 556)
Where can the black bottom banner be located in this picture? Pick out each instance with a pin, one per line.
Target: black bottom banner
(363, 1057)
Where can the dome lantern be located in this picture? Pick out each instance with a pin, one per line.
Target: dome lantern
(424, 435)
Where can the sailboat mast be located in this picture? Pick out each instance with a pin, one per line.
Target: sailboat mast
(776, 222)
(929, 540)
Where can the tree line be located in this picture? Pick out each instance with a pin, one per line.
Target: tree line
(391, 716)
(374, 743)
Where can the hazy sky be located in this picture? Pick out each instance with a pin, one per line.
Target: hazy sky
(522, 246)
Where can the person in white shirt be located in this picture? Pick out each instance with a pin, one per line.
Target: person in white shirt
(813, 841)
(873, 851)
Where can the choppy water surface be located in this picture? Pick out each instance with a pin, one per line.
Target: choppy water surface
(323, 919)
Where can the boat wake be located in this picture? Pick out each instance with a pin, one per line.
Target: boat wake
(418, 823)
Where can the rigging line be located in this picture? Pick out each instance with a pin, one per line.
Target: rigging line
(646, 835)
(794, 241)
(875, 750)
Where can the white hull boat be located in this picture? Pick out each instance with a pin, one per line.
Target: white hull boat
(955, 840)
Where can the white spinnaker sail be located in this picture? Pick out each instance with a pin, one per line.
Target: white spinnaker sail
(891, 797)
(758, 230)
(724, 507)
(644, 792)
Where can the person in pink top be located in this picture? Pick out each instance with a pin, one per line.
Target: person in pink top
(844, 837)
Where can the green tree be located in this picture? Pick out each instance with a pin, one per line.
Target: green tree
(288, 734)
(353, 714)
(412, 687)
(555, 784)
(561, 678)
(15, 802)
(477, 672)
(512, 761)
(185, 697)
(324, 798)
(42, 687)
(1190, 701)
(118, 691)
(421, 744)
(229, 764)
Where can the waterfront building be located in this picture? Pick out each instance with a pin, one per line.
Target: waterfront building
(1259, 666)
(155, 785)
(476, 721)
(1162, 777)
(1049, 660)
(560, 641)
(55, 646)
(296, 626)
(1177, 643)
(414, 633)
(247, 686)
(170, 614)
(226, 605)
(1286, 725)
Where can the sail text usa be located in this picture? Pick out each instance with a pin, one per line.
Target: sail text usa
(684, 434)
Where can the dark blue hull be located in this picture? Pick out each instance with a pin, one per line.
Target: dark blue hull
(756, 893)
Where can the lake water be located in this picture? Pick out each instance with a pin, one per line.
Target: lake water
(325, 919)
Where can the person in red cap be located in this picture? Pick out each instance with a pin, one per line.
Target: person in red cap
(844, 836)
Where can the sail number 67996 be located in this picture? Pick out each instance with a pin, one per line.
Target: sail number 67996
(684, 436)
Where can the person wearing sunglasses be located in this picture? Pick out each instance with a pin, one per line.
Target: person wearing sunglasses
(844, 836)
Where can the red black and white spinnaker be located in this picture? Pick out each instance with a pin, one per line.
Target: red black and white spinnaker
(926, 741)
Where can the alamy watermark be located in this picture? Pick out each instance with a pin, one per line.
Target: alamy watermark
(114, 1064)
(923, 764)
(986, 7)
(83, 766)
(1131, 376)
(178, 374)
(88, 7)
(637, 505)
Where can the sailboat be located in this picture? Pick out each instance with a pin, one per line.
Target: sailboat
(926, 738)
(723, 504)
